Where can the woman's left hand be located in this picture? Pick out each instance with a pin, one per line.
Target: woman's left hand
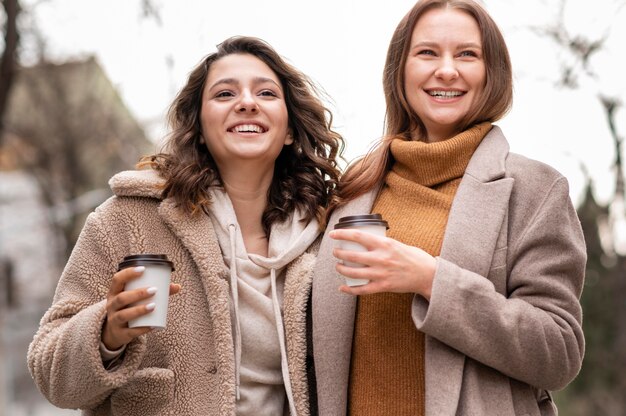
(391, 265)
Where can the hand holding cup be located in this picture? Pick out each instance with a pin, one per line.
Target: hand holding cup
(377, 263)
(369, 223)
(137, 301)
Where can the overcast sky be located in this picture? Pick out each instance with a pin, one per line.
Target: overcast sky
(341, 45)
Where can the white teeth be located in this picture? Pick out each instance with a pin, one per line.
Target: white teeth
(445, 94)
(248, 128)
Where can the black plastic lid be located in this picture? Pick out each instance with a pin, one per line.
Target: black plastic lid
(361, 220)
(145, 260)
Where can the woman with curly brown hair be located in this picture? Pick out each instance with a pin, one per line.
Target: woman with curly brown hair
(236, 202)
(471, 305)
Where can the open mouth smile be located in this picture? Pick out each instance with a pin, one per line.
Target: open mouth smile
(446, 95)
(247, 128)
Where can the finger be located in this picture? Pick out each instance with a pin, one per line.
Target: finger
(369, 273)
(366, 289)
(174, 288)
(140, 330)
(128, 297)
(113, 339)
(360, 257)
(123, 316)
(368, 240)
(122, 277)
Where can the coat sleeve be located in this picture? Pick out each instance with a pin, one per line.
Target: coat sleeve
(534, 334)
(64, 358)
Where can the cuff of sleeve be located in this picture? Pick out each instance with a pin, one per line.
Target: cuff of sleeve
(108, 355)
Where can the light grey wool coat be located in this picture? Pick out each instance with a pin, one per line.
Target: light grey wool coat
(186, 369)
(503, 325)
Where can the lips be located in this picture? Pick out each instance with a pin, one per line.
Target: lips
(248, 128)
(445, 94)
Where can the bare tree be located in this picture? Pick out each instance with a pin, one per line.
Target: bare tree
(600, 387)
(9, 55)
(74, 132)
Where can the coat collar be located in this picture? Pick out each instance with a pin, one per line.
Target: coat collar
(145, 183)
(469, 241)
(488, 161)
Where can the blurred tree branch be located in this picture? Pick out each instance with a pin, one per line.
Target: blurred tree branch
(600, 387)
(9, 55)
(150, 10)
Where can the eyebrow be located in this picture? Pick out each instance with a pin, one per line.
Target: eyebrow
(255, 80)
(459, 46)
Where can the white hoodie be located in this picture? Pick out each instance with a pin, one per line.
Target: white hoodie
(257, 283)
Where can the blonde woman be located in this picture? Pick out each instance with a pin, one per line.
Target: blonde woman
(472, 305)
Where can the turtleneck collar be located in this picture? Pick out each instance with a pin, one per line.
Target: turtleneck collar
(430, 164)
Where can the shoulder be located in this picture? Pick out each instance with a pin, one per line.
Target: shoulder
(530, 170)
(136, 195)
(535, 181)
(138, 183)
(494, 160)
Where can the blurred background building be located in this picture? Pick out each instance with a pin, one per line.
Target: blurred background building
(65, 133)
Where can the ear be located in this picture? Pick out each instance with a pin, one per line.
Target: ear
(201, 139)
(289, 137)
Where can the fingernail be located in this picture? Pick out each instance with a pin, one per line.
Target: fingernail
(140, 269)
(151, 290)
(150, 306)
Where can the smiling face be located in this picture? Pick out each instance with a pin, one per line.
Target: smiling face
(243, 116)
(445, 71)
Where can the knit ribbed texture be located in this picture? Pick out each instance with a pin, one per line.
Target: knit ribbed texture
(387, 368)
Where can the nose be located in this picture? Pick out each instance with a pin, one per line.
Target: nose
(247, 103)
(447, 70)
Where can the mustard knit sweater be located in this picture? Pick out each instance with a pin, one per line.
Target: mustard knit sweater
(387, 368)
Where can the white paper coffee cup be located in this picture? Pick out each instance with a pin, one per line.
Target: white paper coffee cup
(370, 223)
(157, 274)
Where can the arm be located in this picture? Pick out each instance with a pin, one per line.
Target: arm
(533, 335)
(64, 357)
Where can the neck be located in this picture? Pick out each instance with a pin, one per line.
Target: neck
(248, 194)
(434, 135)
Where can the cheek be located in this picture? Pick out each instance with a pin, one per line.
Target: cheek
(480, 77)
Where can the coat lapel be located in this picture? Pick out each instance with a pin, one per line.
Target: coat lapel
(197, 236)
(475, 223)
(333, 325)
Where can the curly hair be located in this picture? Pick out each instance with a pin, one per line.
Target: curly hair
(306, 173)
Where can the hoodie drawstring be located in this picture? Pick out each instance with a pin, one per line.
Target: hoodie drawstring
(232, 231)
(278, 318)
(281, 340)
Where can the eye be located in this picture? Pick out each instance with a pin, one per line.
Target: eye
(224, 94)
(427, 52)
(268, 93)
(468, 54)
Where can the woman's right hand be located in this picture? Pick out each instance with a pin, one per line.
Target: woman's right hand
(115, 331)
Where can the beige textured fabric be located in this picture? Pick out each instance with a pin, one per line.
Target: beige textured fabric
(186, 369)
(503, 326)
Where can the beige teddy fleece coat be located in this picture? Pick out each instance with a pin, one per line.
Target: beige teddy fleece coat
(186, 369)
